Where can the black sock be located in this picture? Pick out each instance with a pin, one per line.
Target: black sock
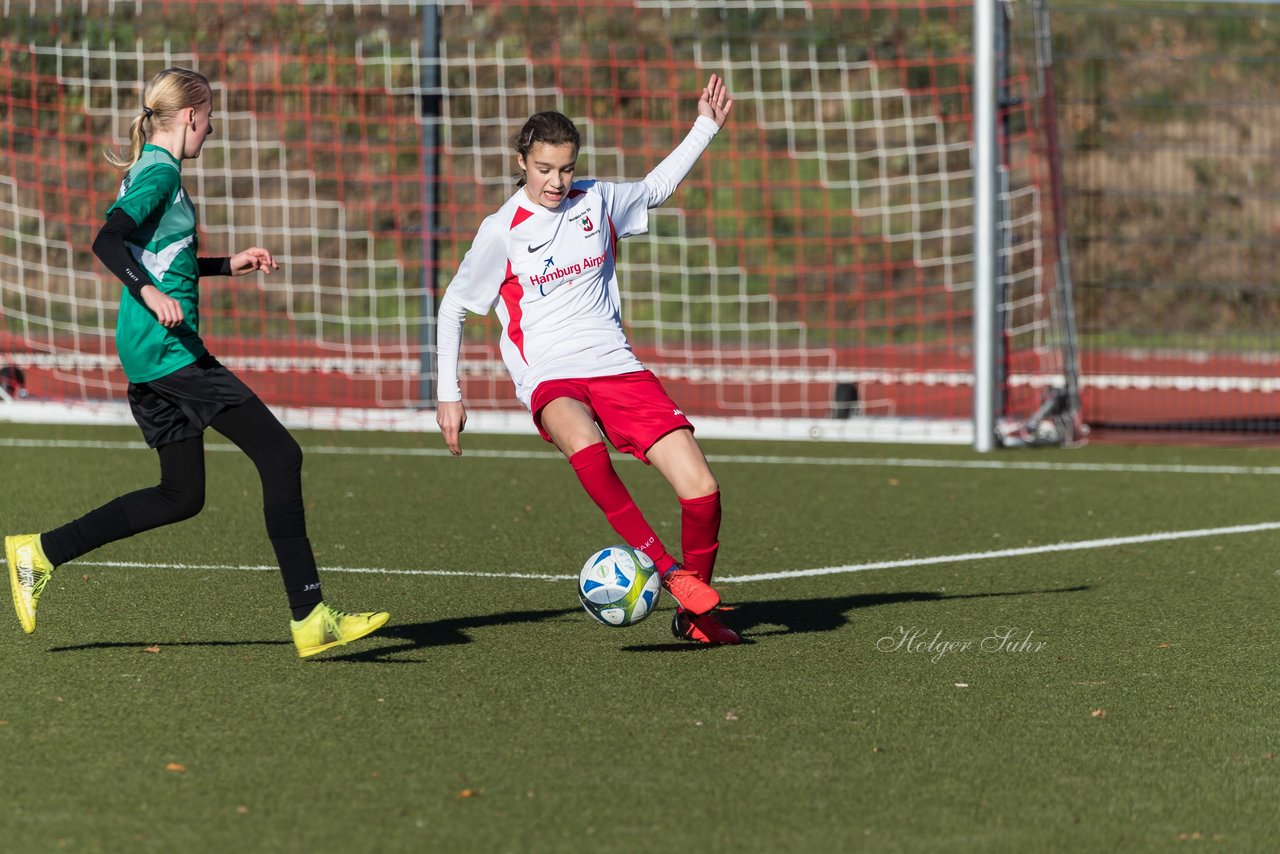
(179, 495)
(81, 536)
(300, 614)
(298, 570)
(253, 428)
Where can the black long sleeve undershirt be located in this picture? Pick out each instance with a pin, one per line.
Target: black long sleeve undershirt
(112, 250)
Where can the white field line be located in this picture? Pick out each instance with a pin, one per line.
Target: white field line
(862, 462)
(355, 570)
(1079, 545)
(998, 554)
(994, 464)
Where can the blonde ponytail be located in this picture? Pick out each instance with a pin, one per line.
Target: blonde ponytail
(168, 92)
(138, 136)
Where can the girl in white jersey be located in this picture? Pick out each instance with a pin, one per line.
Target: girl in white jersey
(546, 262)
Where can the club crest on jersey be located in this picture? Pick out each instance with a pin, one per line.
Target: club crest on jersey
(584, 222)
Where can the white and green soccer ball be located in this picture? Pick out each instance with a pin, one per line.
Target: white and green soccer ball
(619, 586)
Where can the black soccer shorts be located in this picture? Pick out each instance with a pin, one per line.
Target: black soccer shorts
(182, 404)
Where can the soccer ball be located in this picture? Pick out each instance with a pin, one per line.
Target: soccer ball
(619, 586)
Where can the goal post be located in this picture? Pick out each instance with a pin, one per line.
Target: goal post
(1008, 161)
(814, 277)
(986, 262)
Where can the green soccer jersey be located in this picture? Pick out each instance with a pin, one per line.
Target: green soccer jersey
(164, 245)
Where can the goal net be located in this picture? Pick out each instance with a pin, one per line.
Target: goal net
(813, 276)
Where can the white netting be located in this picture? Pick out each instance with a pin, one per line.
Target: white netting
(822, 248)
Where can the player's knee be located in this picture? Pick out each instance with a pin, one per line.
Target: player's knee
(183, 502)
(703, 485)
(191, 505)
(281, 462)
(290, 455)
(573, 445)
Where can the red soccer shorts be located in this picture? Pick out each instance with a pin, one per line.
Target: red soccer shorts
(633, 410)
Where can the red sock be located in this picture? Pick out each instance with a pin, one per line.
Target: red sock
(595, 471)
(700, 533)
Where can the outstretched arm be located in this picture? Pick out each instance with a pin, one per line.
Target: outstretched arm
(714, 105)
(254, 258)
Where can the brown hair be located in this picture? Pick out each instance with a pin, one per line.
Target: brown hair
(550, 128)
(168, 92)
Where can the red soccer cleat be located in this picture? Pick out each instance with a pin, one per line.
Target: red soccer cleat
(705, 629)
(690, 592)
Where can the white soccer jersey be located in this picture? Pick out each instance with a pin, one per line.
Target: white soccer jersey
(551, 276)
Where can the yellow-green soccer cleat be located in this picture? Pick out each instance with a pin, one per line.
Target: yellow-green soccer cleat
(327, 627)
(29, 572)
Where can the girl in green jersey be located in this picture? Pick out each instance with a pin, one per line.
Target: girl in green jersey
(177, 389)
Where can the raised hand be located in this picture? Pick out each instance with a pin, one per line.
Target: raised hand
(714, 102)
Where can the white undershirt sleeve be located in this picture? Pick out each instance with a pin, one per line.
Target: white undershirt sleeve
(474, 288)
(449, 319)
(661, 183)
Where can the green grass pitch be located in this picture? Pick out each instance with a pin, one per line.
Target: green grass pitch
(1004, 657)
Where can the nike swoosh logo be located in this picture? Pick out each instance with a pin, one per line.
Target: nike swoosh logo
(539, 246)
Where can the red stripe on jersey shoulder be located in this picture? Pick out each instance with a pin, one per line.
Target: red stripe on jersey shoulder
(613, 237)
(511, 293)
(520, 216)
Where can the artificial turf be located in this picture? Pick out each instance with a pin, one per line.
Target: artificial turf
(1112, 697)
